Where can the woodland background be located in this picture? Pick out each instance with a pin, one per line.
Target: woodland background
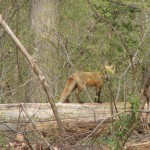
(64, 36)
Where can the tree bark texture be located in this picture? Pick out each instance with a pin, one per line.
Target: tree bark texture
(43, 22)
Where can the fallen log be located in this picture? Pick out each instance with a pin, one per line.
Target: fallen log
(138, 146)
(16, 116)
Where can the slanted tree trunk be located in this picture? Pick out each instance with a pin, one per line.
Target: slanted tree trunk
(36, 70)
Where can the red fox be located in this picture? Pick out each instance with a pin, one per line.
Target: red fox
(81, 80)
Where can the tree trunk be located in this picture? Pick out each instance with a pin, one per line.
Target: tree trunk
(44, 17)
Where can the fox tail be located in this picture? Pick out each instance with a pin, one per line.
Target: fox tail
(69, 87)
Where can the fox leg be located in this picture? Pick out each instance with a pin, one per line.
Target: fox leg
(64, 98)
(67, 100)
(69, 87)
(98, 94)
(78, 91)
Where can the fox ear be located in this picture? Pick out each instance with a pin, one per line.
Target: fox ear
(110, 69)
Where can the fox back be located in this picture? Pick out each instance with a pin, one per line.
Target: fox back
(88, 78)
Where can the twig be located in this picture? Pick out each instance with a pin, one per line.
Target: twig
(5, 55)
(88, 94)
(26, 139)
(16, 88)
(114, 29)
(66, 53)
(103, 121)
(108, 118)
(33, 123)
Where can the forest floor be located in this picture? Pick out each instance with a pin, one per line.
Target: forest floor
(72, 140)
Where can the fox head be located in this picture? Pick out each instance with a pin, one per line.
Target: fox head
(110, 69)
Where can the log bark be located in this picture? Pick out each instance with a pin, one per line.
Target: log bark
(139, 146)
(36, 70)
(73, 115)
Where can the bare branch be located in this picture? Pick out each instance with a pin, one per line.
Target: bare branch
(115, 30)
(35, 126)
(5, 55)
(36, 70)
